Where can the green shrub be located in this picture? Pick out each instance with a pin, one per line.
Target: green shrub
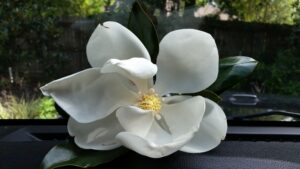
(3, 113)
(280, 77)
(46, 109)
(20, 108)
(15, 108)
(284, 74)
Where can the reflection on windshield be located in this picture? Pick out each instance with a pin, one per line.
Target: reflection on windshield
(43, 41)
(271, 107)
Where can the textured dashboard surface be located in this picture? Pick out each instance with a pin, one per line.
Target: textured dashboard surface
(229, 155)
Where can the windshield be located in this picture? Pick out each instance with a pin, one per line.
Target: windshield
(41, 41)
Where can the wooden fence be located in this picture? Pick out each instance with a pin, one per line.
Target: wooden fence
(260, 41)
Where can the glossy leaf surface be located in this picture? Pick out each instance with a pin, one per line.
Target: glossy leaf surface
(68, 154)
(141, 24)
(231, 71)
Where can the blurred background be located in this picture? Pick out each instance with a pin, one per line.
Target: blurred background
(41, 41)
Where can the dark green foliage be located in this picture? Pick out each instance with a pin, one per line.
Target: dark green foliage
(281, 76)
(29, 25)
(265, 11)
(68, 154)
(142, 25)
(28, 30)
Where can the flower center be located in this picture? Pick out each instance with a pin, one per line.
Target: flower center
(150, 101)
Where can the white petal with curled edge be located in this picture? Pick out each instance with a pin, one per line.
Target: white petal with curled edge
(138, 70)
(97, 135)
(185, 116)
(187, 62)
(135, 120)
(212, 130)
(89, 95)
(112, 40)
(156, 144)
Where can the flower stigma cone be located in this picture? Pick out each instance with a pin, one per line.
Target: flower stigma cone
(150, 101)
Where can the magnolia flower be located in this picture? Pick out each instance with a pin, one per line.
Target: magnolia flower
(116, 102)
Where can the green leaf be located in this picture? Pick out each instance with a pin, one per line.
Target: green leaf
(141, 24)
(68, 154)
(210, 95)
(231, 71)
(206, 93)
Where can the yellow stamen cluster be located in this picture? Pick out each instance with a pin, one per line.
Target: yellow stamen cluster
(150, 101)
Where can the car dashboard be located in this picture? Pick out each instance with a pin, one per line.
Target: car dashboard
(247, 145)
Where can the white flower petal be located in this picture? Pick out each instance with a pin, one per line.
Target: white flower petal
(97, 135)
(89, 95)
(138, 70)
(157, 135)
(112, 40)
(135, 120)
(156, 144)
(185, 116)
(132, 68)
(187, 62)
(212, 130)
(175, 99)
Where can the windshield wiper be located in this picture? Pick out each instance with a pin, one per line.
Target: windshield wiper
(265, 113)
